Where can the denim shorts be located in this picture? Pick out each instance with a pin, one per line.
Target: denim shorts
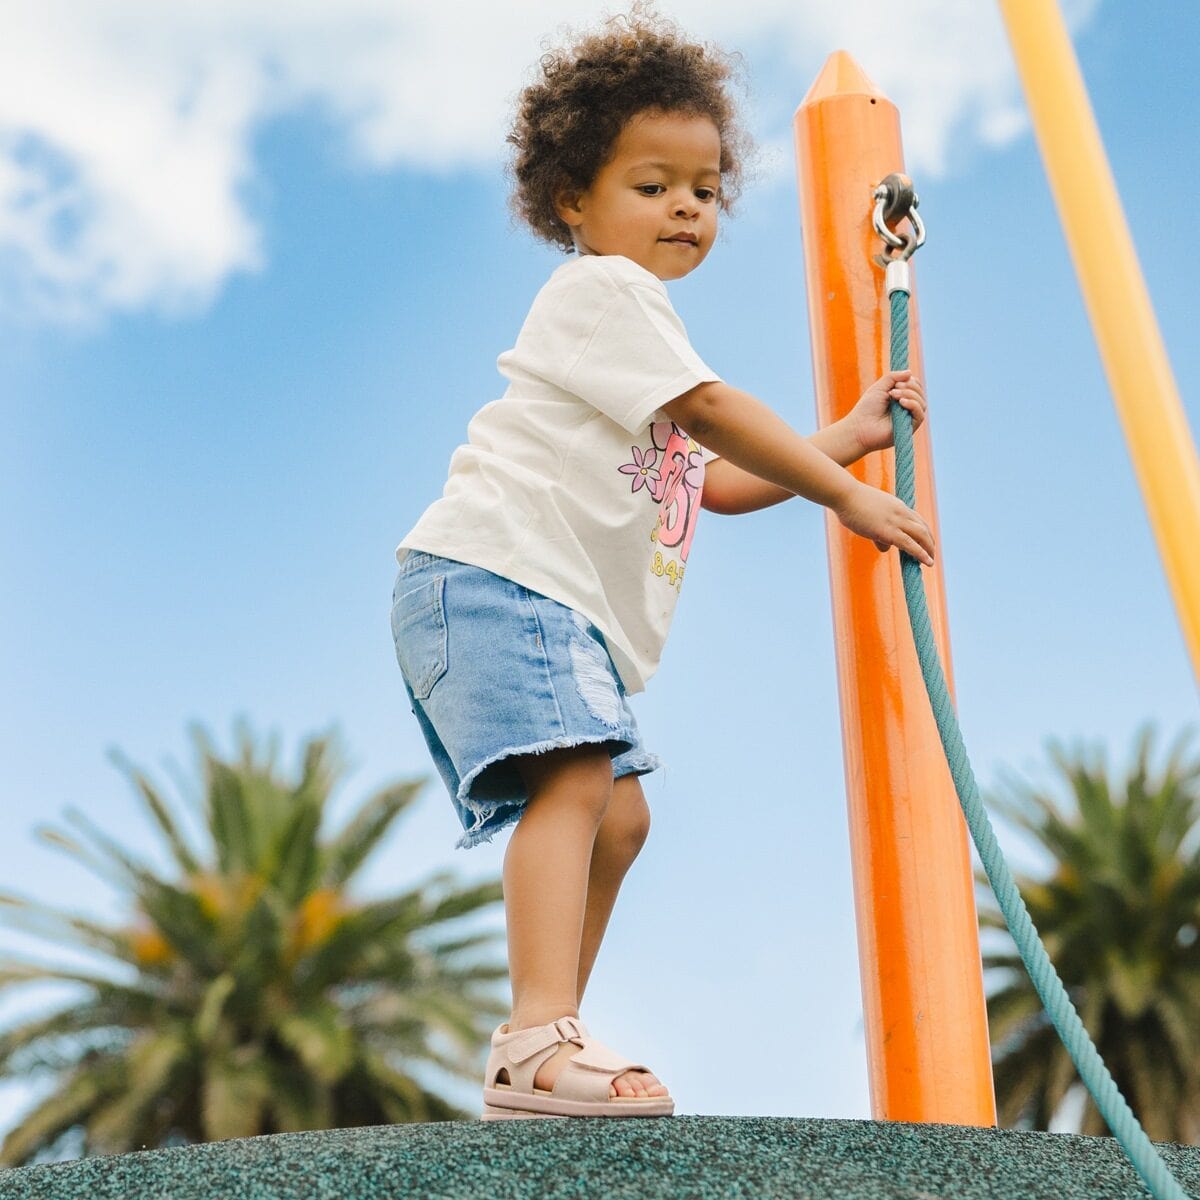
(494, 669)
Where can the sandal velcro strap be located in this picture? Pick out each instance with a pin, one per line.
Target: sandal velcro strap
(598, 1057)
(530, 1041)
(588, 1075)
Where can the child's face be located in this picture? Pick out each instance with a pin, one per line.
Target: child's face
(660, 182)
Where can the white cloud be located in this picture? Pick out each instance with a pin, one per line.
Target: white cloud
(126, 127)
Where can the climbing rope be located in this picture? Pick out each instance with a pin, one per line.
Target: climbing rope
(1095, 1075)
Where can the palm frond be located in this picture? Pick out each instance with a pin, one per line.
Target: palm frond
(250, 994)
(298, 1101)
(235, 1093)
(100, 867)
(147, 1067)
(234, 831)
(1118, 912)
(212, 1006)
(136, 874)
(354, 843)
(15, 971)
(465, 900)
(53, 1116)
(34, 1044)
(321, 1040)
(32, 916)
(297, 864)
(184, 856)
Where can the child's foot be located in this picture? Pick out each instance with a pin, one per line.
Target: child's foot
(630, 1083)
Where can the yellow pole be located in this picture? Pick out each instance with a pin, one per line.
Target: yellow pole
(1118, 304)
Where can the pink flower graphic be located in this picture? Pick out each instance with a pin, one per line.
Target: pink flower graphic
(642, 467)
(694, 476)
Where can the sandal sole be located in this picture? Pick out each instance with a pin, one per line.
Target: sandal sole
(545, 1105)
(491, 1113)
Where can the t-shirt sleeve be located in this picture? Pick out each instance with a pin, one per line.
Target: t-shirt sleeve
(637, 358)
(605, 332)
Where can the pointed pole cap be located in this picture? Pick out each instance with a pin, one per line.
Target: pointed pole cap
(840, 76)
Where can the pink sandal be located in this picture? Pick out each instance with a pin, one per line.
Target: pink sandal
(581, 1090)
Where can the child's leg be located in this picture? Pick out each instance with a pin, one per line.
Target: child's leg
(619, 839)
(546, 875)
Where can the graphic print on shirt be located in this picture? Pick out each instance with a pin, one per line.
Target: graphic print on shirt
(671, 471)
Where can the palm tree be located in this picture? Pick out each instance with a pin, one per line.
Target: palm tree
(1119, 912)
(250, 994)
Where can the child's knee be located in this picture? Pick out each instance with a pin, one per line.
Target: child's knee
(577, 775)
(627, 822)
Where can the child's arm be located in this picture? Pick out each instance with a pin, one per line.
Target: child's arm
(748, 434)
(730, 491)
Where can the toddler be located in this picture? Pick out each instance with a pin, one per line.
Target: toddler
(535, 595)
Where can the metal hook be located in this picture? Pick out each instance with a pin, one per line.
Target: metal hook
(895, 199)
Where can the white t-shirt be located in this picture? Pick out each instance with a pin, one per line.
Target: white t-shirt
(574, 483)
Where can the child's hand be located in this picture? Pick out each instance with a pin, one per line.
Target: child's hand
(887, 521)
(870, 420)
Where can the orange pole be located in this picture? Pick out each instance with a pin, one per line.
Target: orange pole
(922, 980)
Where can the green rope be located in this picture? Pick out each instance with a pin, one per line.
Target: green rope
(1095, 1075)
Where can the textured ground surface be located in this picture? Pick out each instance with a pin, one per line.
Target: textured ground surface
(682, 1157)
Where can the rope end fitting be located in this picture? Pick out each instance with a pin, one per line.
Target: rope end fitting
(898, 277)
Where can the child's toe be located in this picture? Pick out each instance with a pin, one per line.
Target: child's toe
(622, 1086)
(641, 1084)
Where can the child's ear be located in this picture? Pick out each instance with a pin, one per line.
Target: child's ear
(566, 204)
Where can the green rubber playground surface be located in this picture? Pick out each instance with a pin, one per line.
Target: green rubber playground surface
(688, 1157)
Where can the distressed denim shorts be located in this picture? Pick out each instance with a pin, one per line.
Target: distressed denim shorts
(494, 669)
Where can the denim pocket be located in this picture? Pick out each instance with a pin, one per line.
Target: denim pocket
(419, 631)
(415, 559)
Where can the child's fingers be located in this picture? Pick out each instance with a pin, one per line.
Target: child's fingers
(894, 378)
(915, 550)
(914, 407)
(922, 538)
(910, 396)
(912, 535)
(910, 546)
(915, 537)
(915, 545)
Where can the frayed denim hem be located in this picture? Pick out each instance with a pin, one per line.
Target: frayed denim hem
(484, 810)
(641, 764)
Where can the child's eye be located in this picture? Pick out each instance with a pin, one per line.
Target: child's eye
(653, 189)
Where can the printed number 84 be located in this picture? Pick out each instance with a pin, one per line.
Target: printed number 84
(671, 569)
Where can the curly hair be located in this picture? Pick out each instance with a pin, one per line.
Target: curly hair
(567, 123)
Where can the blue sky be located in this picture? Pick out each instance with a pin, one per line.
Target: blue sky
(216, 433)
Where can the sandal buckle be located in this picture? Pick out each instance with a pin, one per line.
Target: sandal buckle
(570, 1028)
